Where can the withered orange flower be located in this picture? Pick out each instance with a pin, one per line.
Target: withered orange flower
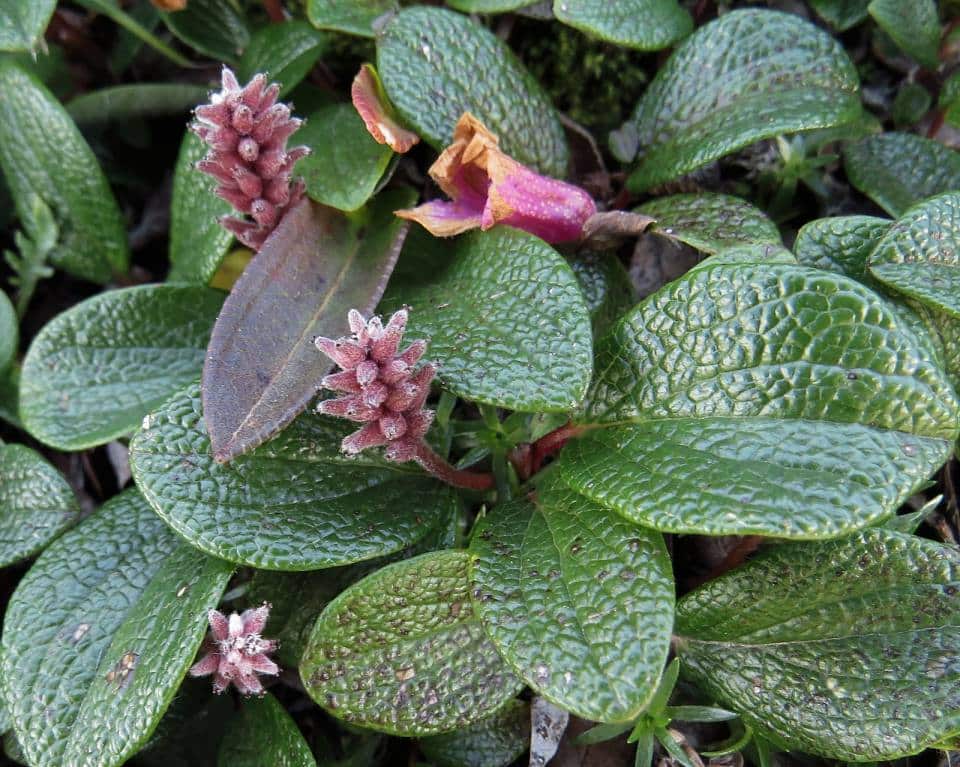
(488, 187)
(370, 101)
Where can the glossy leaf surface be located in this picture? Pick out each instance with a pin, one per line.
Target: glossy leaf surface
(355, 17)
(847, 649)
(578, 600)
(647, 25)
(114, 611)
(796, 401)
(492, 742)
(345, 163)
(920, 255)
(264, 733)
(913, 26)
(9, 332)
(22, 23)
(402, 651)
(428, 59)
(36, 503)
(285, 51)
(132, 347)
(711, 222)
(197, 241)
(42, 153)
(504, 316)
(898, 170)
(215, 28)
(295, 503)
(769, 73)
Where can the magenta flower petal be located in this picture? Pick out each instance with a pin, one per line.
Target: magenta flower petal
(237, 652)
(255, 619)
(219, 625)
(488, 187)
(208, 664)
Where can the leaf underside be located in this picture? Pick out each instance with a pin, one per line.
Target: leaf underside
(262, 367)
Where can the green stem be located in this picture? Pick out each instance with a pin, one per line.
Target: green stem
(132, 26)
(501, 474)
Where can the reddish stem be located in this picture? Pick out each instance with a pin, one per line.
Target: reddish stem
(274, 9)
(437, 466)
(936, 123)
(550, 444)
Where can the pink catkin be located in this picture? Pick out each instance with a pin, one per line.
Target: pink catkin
(380, 386)
(235, 651)
(247, 131)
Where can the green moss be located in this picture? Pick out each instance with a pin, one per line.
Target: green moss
(595, 83)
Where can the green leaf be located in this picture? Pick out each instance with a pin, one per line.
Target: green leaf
(131, 348)
(710, 222)
(769, 73)
(504, 317)
(920, 255)
(577, 600)
(428, 59)
(647, 25)
(112, 10)
(121, 102)
(841, 14)
(10, 396)
(298, 598)
(847, 649)
(36, 503)
(35, 243)
(912, 102)
(22, 23)
(897, 170)
(840, 244)
(345, 163)
(9, 333)
(354, 17)
(99, 634)
(262, 367)
(287, 51)
(700, 714)
(606, 288)
(5, 722)
(213, 27)
(402, 651)
(197, 241)
(263, 733)
(913, 26)
(488, 6)
(764, 398)
(498, 740)
(42, 153)
(190, 733)
(295, 503)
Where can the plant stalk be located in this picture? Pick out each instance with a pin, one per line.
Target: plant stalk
(442, 470)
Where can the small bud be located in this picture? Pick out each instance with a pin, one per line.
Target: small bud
(247, 133)
(380, 386)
